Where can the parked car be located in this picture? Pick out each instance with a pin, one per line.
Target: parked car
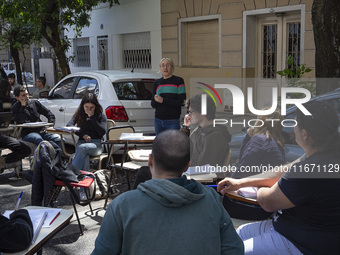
(292, 149)
(125, 97)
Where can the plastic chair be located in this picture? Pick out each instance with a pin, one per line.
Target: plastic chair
(71, 186)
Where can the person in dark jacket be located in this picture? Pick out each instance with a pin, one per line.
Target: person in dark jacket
(19, 149)
(16, 233)
(168, 97)
(25, 111)
(92, 122)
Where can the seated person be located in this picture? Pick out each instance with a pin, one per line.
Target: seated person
(208, 144)
(92, 122)
(16, 233)
(19, 149)
(25, 111)
(168, 214)
(306, 202)
(262, 146)
(41, 87)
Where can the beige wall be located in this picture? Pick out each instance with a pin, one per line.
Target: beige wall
(231, 12)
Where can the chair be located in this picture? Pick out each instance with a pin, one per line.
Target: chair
(71, 186)
(100, 158)
(114, 133)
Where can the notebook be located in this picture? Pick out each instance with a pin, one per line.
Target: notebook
(5, 119)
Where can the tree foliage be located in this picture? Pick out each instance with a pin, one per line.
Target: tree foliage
(52, 17)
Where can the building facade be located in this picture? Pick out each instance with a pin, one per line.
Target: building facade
(212, 40)
(125, 36)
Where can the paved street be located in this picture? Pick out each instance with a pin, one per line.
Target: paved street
(68, 241)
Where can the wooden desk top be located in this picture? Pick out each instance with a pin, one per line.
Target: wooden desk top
(46, 233)
(236, 196)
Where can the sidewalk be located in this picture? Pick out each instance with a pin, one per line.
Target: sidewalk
(69, 240)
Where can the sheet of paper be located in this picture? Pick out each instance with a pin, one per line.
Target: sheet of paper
(35, 123)
(68, 129)
(205, 169)
(131, 136)
(36, 215)
(250, 192)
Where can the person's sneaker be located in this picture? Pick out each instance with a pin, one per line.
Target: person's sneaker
(13, 164)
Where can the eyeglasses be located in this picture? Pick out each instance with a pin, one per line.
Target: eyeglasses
(167, 66)
(190, 112)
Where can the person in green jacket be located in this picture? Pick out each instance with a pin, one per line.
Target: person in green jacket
(168, 214)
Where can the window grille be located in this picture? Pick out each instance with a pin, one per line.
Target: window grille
(137, 50)
(82, 50)
(269, 51)
(293, 44)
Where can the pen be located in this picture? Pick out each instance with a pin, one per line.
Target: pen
(213, 185)
(54, 218)
(17, 205)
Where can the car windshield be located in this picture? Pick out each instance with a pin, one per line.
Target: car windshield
(134, 90)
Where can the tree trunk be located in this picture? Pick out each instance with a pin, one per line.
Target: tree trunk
(51, 33)
(15, 56)
(326, 20)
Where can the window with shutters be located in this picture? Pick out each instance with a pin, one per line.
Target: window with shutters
(137, 50)
(200, 43)
(82, 52)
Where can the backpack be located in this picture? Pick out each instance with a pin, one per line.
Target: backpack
(102, 180)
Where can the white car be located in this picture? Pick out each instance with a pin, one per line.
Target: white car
(125, 97)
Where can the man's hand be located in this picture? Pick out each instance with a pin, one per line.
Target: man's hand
(228, 184)
(158, 99)
(187, 120)
(87, 138)
(23, 101)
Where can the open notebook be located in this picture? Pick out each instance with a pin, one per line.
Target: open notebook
(248, 192)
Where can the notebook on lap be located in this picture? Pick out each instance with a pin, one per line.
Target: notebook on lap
(5, 119)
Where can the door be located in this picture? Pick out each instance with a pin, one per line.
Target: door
(278, 36)
(102, 53)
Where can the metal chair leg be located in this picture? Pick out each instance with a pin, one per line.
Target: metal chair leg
(76, 212)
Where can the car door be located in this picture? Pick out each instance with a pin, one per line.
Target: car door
(58, 100)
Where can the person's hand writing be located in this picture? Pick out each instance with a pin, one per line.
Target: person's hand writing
(87, 138)
(187, 120)
(158, 99)
(228, 184)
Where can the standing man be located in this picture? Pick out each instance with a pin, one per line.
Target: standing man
(168, 214)
(25, 111)
(11, 80)
(41, 87)
(168, 97)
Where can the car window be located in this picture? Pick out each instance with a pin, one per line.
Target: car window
(86, 85)
(64, 89)
(135, 90)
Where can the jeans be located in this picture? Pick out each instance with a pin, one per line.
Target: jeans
(261, 238)
(161, 125)
(19, 149)
(36, 138)
(84, 150)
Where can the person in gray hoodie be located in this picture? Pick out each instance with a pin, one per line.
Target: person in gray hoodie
(168, 214)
